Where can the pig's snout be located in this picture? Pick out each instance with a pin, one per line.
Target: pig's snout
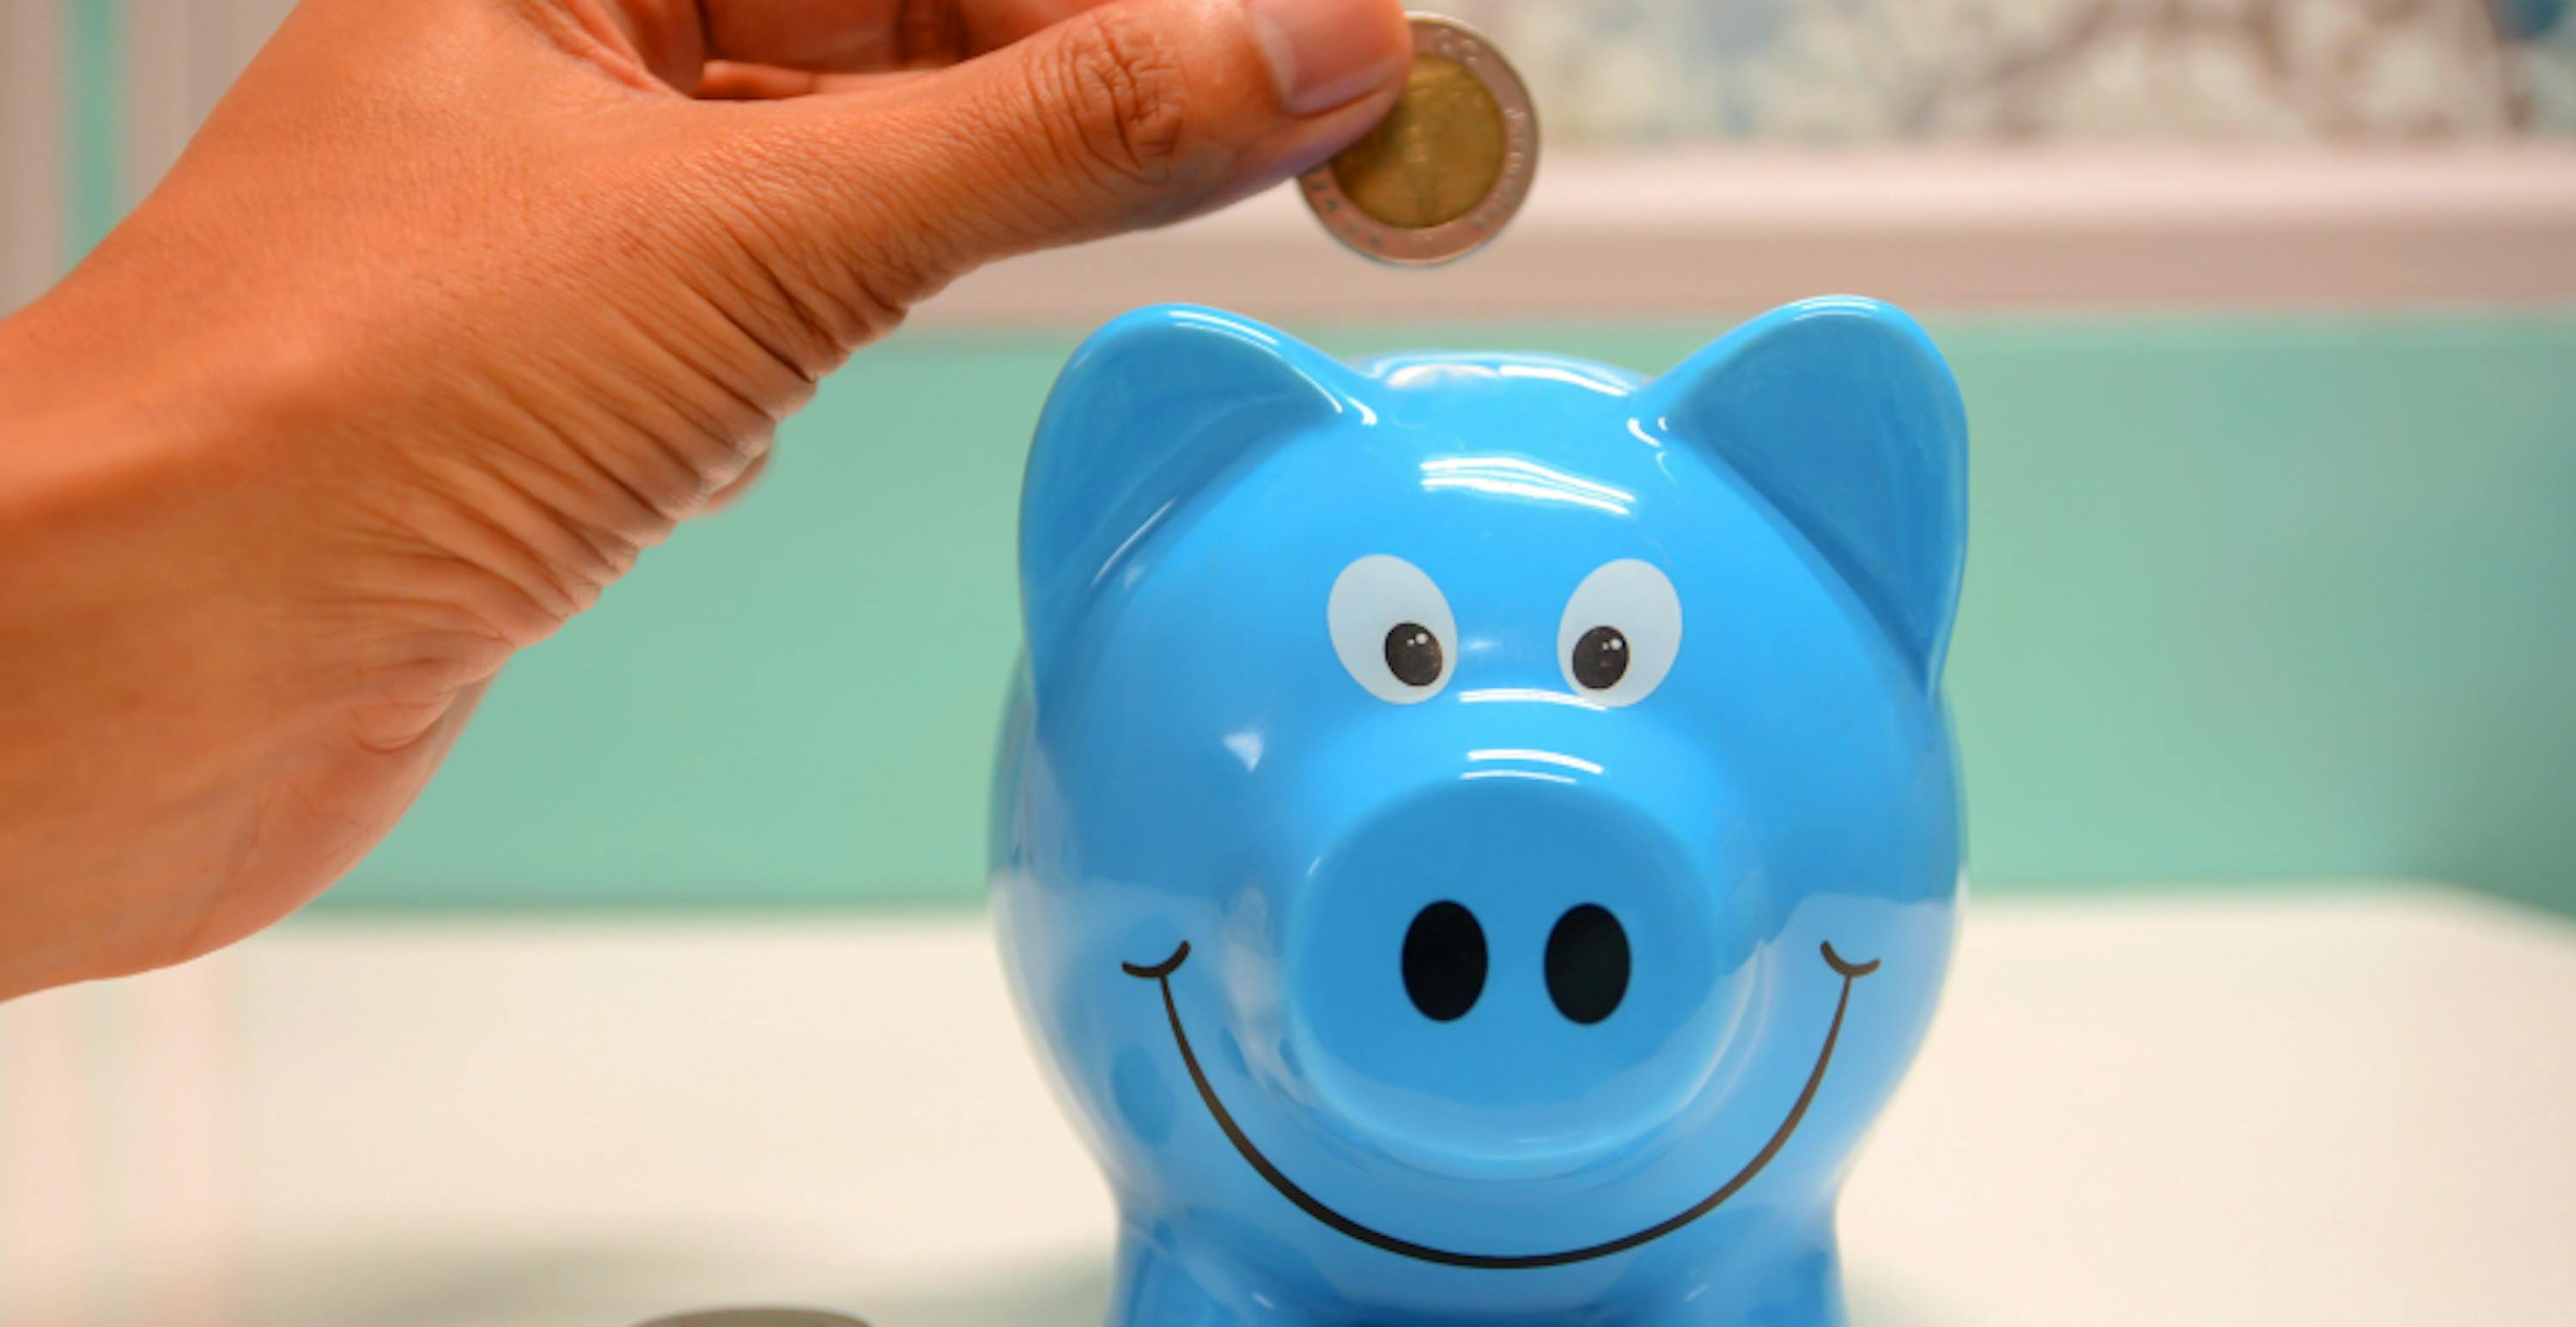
(1511, 972)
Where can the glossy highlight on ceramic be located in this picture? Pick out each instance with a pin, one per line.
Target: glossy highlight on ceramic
(1477, 835)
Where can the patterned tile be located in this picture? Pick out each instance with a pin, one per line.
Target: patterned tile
(1826, 71)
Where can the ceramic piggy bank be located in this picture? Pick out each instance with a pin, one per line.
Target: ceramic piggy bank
(1477, 837)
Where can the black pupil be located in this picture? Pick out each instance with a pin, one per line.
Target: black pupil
(1444, 961)
(1587, 964)
(1413, 654)
(1600, 658)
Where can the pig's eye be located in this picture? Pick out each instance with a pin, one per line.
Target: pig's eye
(1391, 628)
(1600, 658)
(1413, 654)
(1620, 633)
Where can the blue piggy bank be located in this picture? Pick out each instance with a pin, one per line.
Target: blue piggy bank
(1477, 837)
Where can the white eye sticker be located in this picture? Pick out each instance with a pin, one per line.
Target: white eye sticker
(1621, 630)
(1392, 629)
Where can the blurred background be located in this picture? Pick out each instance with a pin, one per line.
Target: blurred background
(2265, 310)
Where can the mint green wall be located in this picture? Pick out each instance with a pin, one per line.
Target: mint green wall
(93, 35)
(2256, 598)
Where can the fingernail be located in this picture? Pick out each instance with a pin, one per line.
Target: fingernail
(1323, 53)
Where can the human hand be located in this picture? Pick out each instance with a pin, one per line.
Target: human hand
(453, 307)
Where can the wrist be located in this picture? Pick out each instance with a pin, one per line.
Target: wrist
(140, 704)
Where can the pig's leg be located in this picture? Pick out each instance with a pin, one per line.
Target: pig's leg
(1802, 1291)
(1190, 1286)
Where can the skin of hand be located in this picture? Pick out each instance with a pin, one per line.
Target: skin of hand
(455, 306)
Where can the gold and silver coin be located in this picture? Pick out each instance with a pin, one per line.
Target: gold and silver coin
(1447, 168)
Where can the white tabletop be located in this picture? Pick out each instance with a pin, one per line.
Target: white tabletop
(2348, 1106)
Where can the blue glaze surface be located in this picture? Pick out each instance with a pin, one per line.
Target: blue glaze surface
(1477, 835)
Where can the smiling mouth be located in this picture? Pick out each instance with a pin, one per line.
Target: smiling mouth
(1161, 975)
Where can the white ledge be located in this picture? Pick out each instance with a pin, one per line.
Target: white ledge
(1933, 229)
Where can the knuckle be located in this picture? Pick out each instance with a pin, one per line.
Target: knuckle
(1124, 99)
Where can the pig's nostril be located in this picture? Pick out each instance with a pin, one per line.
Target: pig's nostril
(1444, 961)
(1587, 964)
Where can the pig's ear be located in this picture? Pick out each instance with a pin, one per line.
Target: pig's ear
(1151, 410)
(1841, 413)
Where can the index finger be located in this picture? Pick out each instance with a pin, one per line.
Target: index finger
(853, 36)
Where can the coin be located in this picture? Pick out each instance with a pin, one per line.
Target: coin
(1442, 173)
(756, 1318)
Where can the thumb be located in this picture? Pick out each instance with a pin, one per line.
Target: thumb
(1128, 115)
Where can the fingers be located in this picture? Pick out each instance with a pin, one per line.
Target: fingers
(674, 38)
(857, 35)
(726, 80)
(1127, 115)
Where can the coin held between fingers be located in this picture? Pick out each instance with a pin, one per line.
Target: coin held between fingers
(1447, 168)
